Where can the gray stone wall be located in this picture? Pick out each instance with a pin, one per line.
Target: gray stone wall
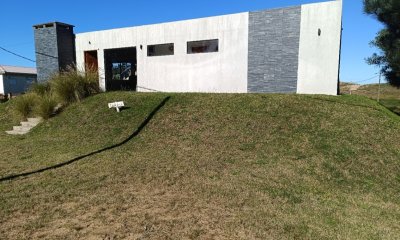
(46, 52)
(274, 37)
(55, 49)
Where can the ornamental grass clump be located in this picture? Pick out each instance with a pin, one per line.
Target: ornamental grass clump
(24, 105)
(62, 89)
(45, 106)
(41, 89)
(73, 86)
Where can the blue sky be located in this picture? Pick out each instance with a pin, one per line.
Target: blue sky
(17, 18)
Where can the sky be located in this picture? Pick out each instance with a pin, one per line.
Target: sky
(17, 18)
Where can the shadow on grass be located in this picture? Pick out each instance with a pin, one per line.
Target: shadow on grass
(134, 134)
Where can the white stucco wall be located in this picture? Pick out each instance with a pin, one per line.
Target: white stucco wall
(223, 71)
(1, 84)
(319, 55)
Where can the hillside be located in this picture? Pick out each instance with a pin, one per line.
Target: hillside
(204, 166)
(389, 95)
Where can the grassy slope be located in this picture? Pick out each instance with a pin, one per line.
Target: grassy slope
(207, 166)
(390, 96)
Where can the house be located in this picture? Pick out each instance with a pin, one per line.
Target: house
(287, 50)
(16, 80)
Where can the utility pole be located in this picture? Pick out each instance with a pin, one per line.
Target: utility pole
(379, 87)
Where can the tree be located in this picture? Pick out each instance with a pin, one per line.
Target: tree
(388, 39)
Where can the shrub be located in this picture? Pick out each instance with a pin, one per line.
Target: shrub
(24, 105)
(73, 85)
(45, 106)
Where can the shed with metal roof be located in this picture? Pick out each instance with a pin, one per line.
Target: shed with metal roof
(16, 80)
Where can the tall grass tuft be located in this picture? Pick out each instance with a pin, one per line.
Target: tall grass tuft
(73, 85)
(45, 106)
(40, 89)
(24, 105)
(65, 88)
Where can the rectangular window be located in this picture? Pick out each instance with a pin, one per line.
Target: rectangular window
(205, 46)
(160, 50)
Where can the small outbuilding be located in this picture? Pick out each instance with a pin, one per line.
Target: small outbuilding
(16, 80)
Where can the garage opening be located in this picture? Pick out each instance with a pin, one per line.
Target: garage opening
(120, 69)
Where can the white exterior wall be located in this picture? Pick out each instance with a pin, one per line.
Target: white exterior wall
(319, 55)
(223, 71)
(1, 84)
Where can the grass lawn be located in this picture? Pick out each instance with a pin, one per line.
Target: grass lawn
(205, 166)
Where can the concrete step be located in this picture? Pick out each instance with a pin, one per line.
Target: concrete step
(14, 132)
(25, 126)
(21, 128)
(35, 120)
(28, 124)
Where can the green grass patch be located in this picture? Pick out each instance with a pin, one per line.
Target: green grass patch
(206, 166)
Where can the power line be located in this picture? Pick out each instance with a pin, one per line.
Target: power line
(16, 54)
(368, 79)
(361, 81)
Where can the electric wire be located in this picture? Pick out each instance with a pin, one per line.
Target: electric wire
(365, 80)
(16, 54)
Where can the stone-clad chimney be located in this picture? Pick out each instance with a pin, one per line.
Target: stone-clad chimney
(54, 47)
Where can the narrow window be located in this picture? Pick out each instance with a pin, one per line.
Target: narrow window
(160, 50)
(205, 46)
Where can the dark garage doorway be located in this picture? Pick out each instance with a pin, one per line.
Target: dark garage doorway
(120, 69)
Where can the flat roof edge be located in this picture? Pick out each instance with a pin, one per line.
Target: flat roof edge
(48, 24)
(18, 73)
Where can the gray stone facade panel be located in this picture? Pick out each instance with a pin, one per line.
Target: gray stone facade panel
(274, 37)
(46, 52)
(55, 49)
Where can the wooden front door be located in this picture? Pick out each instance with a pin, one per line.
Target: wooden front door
(91, 61)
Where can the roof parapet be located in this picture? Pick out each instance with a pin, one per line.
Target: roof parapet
(52, 24)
